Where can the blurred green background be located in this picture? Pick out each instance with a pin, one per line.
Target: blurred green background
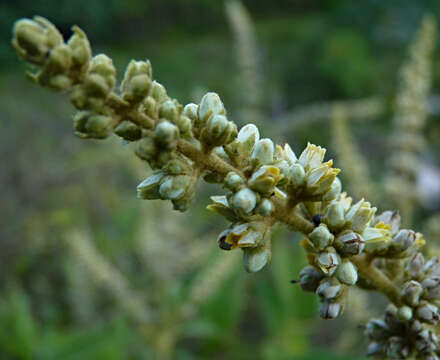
(84, 264)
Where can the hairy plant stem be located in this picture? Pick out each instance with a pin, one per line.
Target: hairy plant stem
(377, 278)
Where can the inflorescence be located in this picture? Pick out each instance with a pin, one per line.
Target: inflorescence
(347, 244)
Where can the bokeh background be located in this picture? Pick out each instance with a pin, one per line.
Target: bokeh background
(87, 271)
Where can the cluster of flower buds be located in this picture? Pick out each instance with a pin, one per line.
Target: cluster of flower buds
(397, 337)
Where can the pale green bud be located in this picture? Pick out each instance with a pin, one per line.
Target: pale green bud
(33, 39)
(263, 152)
(233, 181)
(190, 110)
(174, 187)
(334, 191)
(89, 125)
(415, 265)
(347, 273)
(403, 240)
(377, 239)
(404, 313)
(265, 207)
(168, 110)
(254, 259)
(321, 237)
(60, 60)
(265, 179)
(297, 175)
(328, 290)
(244, 201)
(184, 124)
(248, 135)
(128, 131)
(328, 262)
(81, 50)
(146, 148)
(149, 188)
(158, 92)
(334, 216)
(149, 106)
(101, 64)
(218, 131)
(137, 81)
(166, 134)
(309, 278)
(209, 106)
(432, 287)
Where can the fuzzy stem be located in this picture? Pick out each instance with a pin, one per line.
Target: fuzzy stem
(377, 278)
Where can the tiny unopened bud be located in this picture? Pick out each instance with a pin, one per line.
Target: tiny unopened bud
(404, 239)
(210, 105)
(128, 131)
(244, 201)
(190, 110)
(428, 313)
(146, 148)
(263, 152)
(404, 313)
(218, 131)
(347, 273)
(168, 110)
(321, 237)
(327, 290)
(265, 207)
(233, 181)
(411, 292)
(330, 310)
(432, 287)
(254, 259)
(166, 134)
(297, 175)
(334, 191)
(158, 92)
(309, 278)
(376, 329)
(174, 187)
(415, 265)
(334, 216)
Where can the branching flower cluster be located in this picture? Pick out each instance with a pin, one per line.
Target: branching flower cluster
(347, 244)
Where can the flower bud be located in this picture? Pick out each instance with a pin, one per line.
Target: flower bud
(89, 125)
(33, 39)
(321, 237)
(158, 92)
(330, 310)
(349, 243)
(190, 110)
(81, 51)
(254, 259)
(166, 134)
(149, 188)
(415, 265)
(347, 273)
(428, 313)
(265, 207)
(432, 267)
(403, 240)
(334, 191)
(297, 175)
(168, 110)
(376, 349)
(309, 278)
(244, 201)
(210, 105)
(289, 155)
(185, 125)
(137, 81)
(328, 291)
(328, 262)
(218, 131)
(128, 131)
(233, 181)
(334, 216)
(404, 313)
(411, 292)
(146, 149)
(174, 187)
(263, 152)
(432, 288)
(102, 65)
